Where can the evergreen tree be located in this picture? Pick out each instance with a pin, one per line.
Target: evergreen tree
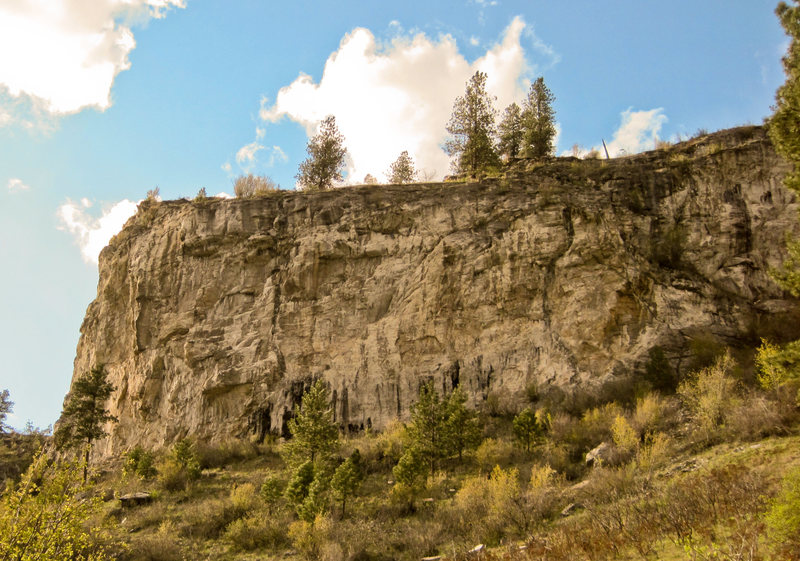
(6, 406)
(345, 481)
(409, 474)
(527, 428)
(314, 434)
(326, 153)
(427, 428)
(785, 123)
(300, 483)
(402, 170)
(511, 132)
(271, 492)
(472, 128)
(316, 502)
(85, 415)
(539, 121)
(462, 429)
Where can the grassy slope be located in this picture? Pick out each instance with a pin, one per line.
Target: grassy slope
(192, 523)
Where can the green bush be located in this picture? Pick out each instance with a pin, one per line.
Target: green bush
(180, 468)
(783, 517)
(257, 531)
(139, 462)
(711, 396)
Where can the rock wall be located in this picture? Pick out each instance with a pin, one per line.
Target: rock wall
(213, 316)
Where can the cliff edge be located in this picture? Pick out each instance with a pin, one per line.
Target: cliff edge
(213, 316)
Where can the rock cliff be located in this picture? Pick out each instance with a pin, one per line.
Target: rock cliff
(213, 316)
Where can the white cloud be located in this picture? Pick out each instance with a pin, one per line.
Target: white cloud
(277, 155)
(637, 132)
(15, 185)
(398, 96)
(246, 156)
(474, 41)
(226, 167)
(62, 55)
(92, 234)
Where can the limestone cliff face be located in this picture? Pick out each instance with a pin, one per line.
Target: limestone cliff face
(212, 317)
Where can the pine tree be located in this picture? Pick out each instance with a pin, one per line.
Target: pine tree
(462, 429)
(314, 434)
(427, 428)
(472, 128)
(539, 122)
(402, 170)
(326, 153)
(85, 415)
(409, 474)
(6, 406)
(511, 132)
(345, 481)
(299, 485)
(526, 427)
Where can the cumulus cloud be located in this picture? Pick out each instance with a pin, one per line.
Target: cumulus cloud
(15, 185)
(91, 233)
(246, 156)
(637, 132)
(63, 55)
(398, 96)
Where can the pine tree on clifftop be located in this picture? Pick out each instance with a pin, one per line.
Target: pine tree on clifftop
(472, 130)
(539, 121)
(326, 153)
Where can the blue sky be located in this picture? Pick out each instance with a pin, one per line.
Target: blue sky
(102, 100)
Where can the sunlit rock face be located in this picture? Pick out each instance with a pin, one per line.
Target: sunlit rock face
(212, 317)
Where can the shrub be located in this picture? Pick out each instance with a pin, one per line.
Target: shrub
(209, 518)
(653, 413)
(243, 497)
(527, 428)
(392, 441)
(659, 373)
(783, 518)
(180, 468)
(596, 424)
(309, 538)
(705, 349)
(246, 186)
(218, 455)
(164, 545)
(493, 452)
(47, 513)
(257, 531)
(624, 436)
(139, 462)
(711, 395)
(655, 451)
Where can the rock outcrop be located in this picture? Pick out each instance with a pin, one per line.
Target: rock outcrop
(213, 316)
